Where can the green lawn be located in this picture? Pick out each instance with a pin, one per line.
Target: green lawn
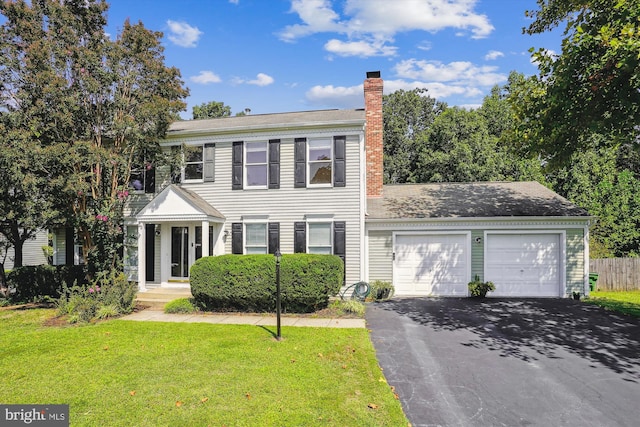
(627, 302)
(125, 373)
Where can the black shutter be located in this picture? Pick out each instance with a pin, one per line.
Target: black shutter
(236, 238)
(69, 245)
(150, 180)
(339, 164)
(149, 251)
(300, 163)
(209, 157)
(339, 241)
(274, 237)
(299, 237)
(274, 163)
(236, 166)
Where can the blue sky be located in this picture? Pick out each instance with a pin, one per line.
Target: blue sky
(293, 55)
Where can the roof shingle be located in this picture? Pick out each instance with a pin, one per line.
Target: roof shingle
(470, 200)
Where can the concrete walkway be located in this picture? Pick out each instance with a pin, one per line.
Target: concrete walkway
(243, 319)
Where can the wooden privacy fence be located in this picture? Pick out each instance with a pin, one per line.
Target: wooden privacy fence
(616, 274)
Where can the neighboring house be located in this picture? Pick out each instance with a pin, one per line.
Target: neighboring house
(312, 182)
(32, 252)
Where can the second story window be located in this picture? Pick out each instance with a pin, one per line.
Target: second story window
(198, 164)
(193, 163)
(320, 161)
(256, 164)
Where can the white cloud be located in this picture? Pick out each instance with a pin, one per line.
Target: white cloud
(459, 72)
(183, 34)
(461, 80)
(317, 16)
(425, 45)
(374, 23)
(260, 80)
(339, 96)
(234, 1)
(359, 48)
(493, 54)
(206, 77)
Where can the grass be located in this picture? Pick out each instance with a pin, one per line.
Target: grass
(129, 373)
(626, 302)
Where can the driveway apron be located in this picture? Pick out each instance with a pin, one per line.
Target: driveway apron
(509, 362)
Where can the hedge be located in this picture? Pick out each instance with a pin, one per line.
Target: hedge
(248, 282)
(32, 282)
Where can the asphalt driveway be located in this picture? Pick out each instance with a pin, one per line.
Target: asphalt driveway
(509, 362)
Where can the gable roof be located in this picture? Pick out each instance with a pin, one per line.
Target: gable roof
(265, 121)
(470, 200)
(175, 203)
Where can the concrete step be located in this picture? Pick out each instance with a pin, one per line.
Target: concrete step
(157, 298)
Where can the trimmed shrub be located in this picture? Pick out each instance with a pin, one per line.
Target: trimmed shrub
(34, 282)
(180, 305)
(381, 290)
(248, 282)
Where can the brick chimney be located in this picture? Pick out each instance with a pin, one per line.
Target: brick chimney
(373, 133)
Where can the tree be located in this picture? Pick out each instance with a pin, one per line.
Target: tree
(592, 86)
(594, 180)
(211, 110)
(94, 105)
(406, 116)
(458, 147)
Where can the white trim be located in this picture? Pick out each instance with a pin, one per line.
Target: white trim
(562, 268)
(586, 257)
(476, 223)
(364, 236)
(254, 218)
(318, 217)
(353, 127)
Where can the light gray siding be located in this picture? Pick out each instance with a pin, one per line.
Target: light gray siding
(380, 249)
(32, 253)
(575, 261)
(477, 254)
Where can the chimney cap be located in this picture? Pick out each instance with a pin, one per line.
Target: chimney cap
(373, 74)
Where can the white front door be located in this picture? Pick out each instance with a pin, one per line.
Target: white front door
(431, 264)
(524, 264)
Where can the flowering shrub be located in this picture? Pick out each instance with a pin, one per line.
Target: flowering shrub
(110, 295)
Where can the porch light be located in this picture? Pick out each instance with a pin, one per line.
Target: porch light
(278, 256)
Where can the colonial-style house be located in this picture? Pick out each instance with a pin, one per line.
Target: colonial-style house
(311, 182)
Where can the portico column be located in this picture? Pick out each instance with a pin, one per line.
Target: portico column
(141, 258)
(205, 238)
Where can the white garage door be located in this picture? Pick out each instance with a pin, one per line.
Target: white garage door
(431, 264)
(523, 265)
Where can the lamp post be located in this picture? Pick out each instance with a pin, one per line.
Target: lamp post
(278, 256)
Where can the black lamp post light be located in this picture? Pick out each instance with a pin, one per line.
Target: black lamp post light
(278, 256)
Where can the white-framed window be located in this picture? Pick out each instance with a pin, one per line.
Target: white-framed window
(319, 238)
(193, 163)
(255, 238)
(320, 162)
(256, 164)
